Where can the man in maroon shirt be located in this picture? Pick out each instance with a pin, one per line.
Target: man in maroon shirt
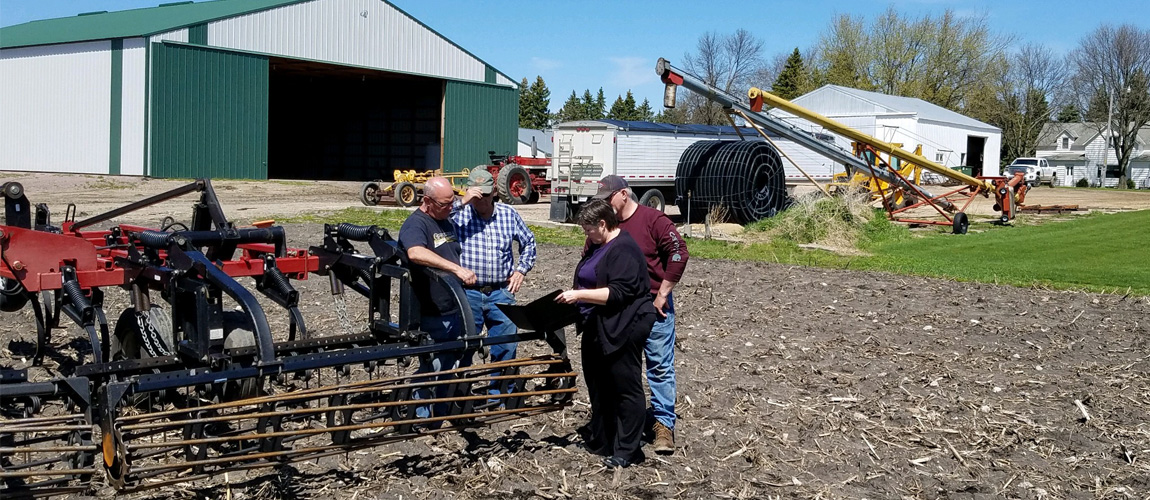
(666, 255)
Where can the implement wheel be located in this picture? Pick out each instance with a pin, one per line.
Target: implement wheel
(406, 195)
(12, 296)
(960, 223)
(369, 195)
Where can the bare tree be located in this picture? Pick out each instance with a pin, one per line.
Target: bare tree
(728, 62)
(1111, 67)
(1029, 88)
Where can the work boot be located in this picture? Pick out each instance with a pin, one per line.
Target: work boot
(664, 439)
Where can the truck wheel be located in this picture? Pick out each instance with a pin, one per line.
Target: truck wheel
(369, 195)
(406, 195)
(961, 223)
(513, 184)
(653, 198)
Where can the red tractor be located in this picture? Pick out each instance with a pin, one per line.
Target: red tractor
(519, 179)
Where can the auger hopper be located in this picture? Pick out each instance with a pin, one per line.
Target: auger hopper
(192, 379)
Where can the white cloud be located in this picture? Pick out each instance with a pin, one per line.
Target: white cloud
(543, 65)
(632, 72)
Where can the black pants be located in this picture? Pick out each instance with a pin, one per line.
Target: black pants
(618, 403)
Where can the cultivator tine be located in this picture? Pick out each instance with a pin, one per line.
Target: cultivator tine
(46, 445)
(301, 424)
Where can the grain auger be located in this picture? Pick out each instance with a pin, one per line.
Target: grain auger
(198, 375)
(950, 207)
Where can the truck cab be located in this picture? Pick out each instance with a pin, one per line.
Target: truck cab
(1035, 171)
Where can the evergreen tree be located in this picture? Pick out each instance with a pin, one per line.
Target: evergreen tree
(789, 83)
(1069, 114)
(676, 116)
(524, 103)
(590, 110)
(624, 108)
(600, 106)
(644, 113)
(572, 110)
(618, 110)
(534, 102)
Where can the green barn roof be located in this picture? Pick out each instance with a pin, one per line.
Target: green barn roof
(129, 23)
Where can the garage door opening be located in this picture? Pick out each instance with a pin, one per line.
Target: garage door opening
(330, 122)
(975, 150)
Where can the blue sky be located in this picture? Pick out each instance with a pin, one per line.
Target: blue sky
(588, 44)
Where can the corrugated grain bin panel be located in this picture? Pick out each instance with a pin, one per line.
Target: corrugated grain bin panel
(477, 119)
(209, 113)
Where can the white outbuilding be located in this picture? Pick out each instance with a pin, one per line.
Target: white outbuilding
(947, 137)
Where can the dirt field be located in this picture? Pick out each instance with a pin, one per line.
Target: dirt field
(793, 382)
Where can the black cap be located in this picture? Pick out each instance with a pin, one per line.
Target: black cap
(610, 185)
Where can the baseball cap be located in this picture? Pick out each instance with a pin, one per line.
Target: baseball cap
(481, 179)
(610, 184)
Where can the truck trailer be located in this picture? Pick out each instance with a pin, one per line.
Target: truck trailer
(646, 155)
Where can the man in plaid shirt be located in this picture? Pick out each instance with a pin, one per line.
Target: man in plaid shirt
(487, 230)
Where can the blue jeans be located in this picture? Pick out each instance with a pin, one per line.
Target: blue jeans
(441, 328)
(487, 314)
(660, 355)
(498, 324)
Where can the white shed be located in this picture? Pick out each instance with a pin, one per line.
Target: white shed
(946, 137)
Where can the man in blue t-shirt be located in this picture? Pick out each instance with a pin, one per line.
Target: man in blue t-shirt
(428, 240)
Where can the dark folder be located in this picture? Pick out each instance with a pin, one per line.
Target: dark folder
(542, 314)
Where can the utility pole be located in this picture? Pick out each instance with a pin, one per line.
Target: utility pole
(1109, 137)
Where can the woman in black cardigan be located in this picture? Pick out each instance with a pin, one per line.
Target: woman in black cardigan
(614, 295)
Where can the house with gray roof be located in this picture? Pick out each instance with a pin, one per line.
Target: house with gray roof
(1079, 151)
(947, 137)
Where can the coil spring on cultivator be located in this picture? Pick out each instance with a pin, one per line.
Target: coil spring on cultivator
(183, 387)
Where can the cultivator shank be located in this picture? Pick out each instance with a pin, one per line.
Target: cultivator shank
(192, 379)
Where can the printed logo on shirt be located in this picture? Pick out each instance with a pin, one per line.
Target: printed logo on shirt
(441, 238)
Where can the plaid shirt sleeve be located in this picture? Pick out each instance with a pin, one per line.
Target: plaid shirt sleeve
(526, 241)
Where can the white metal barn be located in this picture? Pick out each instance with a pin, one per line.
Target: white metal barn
(947, 137)
(308, 89)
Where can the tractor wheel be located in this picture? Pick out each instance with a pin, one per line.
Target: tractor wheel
(534, 197)
(12, 296)
(369, 195)
(406, 195)
(653, 198)
(513, 184)
(960, 223)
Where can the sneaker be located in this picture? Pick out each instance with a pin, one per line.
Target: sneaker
(664, 439)
(615, 462)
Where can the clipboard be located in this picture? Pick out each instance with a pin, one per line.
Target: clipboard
(542, 314)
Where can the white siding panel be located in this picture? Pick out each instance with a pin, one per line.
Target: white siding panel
(54, 101)
(132, 111)
(367, 33)
(1140, 174)
(172, 36)
(503, 80)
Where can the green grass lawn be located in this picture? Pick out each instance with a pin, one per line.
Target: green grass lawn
(1103, 253)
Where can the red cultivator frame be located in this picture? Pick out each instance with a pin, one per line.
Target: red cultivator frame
(191, 379)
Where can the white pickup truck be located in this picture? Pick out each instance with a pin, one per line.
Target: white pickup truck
(1035, 171)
